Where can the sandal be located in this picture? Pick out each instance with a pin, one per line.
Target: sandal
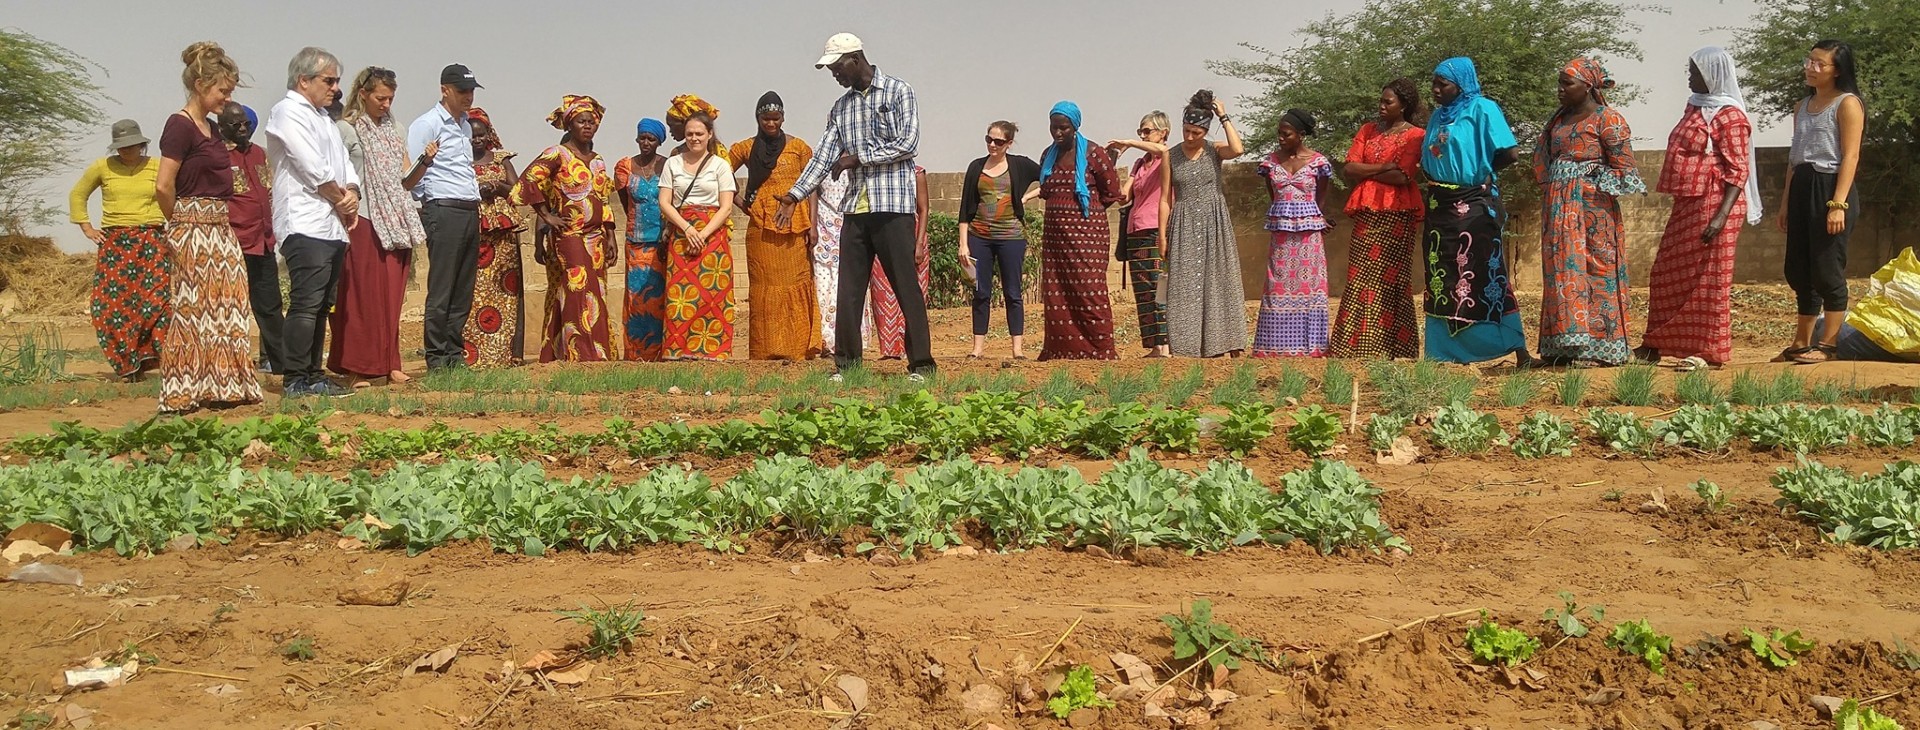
(1817, 354)
(1788, 354)
(1690, 364)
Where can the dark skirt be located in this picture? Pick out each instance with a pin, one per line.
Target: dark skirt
(366, 312)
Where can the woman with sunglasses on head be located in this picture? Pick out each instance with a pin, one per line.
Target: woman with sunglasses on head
(1143, 228)
(993, 235)
(1817, 205)
(1376, 318)
(373, 273)
(1208, 316)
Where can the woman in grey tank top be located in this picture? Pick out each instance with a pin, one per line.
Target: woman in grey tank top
(1820, 204)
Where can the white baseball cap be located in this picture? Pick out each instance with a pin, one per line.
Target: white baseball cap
(839, 45)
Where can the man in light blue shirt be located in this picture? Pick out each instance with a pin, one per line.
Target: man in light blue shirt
(441, 141)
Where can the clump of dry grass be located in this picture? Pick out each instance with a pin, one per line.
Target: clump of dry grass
(36, 278)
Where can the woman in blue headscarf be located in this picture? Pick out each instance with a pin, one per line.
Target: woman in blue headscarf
(1471, 313)
(637, 180)
(1077, 187)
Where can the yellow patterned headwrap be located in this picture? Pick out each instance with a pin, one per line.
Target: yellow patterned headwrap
(572, 104)
(686, 105)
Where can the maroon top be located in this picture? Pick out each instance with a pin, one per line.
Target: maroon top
(206, 170)
(250, 210)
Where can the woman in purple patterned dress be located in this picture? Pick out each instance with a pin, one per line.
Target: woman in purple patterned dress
(1293, 309)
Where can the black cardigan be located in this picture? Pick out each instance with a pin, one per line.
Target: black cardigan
(1025, 172)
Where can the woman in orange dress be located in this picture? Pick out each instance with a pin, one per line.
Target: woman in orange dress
(1377, 317)
(569, 188)
(779, 236)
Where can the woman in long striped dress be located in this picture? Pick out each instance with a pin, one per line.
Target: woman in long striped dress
(1078, 187)
(496, 329)
(207, 360)
(1208, 315)
(1377, 317)
(130, 276)
(1709, 172)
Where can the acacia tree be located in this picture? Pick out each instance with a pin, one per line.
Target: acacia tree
(1519, 47)
(1772, 49)
(47, 100)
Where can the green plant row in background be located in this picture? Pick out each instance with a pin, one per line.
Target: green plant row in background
(1005, 423)
(1877, 510)
(130, 507)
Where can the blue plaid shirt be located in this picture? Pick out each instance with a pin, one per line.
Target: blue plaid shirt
(881, 127)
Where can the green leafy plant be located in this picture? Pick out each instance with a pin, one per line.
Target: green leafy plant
(1567, 617)
(1633, 385)
(1076, 691)
(1637, 638)
(32, 720)
(1542, 434)
(1703, 428)
(1798, 428)
(1314, 430)
(1459, 428)
(1697, 387)
(1613, 495)
(1293, 385)
(1196, 636)
(300, 649)
(1383, 429)
(1888, 427)
(612, 629)
(1417, 388)
(1172, 429)
(1331, 505)
(1876, 510)
(1853, 716)
(1494, 645)
(1246, 425)
(1711, 498)
(1779, 648)
(1903, 656)
(1573, 388)
(1621, 431)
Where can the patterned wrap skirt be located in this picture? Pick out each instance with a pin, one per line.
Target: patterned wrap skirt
(576, 324)
(1141, 251)
(645, 310)
(888, 321)
(130, 283)
(208, 357)
(699, 323)
(1689, 309)
(1377, 317)
(495, 326)
(1078, 310)
(1293, 309)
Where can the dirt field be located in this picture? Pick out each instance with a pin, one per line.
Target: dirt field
(762, 639)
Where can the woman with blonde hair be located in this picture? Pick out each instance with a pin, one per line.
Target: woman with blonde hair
(207, 360)
(373, 276)
(130, 276)
(1143, 229)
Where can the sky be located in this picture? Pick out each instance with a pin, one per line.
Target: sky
(969, 62)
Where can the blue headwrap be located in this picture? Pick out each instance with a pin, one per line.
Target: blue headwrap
(654, 127)
(1071, 111)
(253, 120)
(1461, 71)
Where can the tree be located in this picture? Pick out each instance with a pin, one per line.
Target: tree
(1772, 49)
(1519, 47)
(47, 101)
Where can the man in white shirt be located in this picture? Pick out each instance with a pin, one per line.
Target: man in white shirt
(441, 141)
(316, 198)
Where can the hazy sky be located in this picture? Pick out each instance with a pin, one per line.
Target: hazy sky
(971, 62)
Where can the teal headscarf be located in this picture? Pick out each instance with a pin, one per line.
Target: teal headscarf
(1461, 71)
(1464, 135)
(1071, 111)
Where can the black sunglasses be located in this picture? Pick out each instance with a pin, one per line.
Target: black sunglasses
(996, 141)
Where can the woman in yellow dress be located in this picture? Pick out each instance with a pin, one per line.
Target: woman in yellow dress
(779, 238)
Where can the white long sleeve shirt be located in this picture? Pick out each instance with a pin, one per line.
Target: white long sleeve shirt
(305, 151)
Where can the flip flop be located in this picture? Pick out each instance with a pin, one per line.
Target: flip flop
(1826, 353)
(1690, 364)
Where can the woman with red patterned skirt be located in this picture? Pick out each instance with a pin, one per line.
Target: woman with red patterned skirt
(1377, 318)
(569, 187)
(1709, 173)
(496, 328)
(696, 196)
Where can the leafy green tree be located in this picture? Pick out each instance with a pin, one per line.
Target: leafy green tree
(47, 100)
(1772, 49)
(1519, 47)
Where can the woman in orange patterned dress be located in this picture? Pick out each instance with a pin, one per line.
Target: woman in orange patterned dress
(496, 329)
(779, 267)
(569, 188)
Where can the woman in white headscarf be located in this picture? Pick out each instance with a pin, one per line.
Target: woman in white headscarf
(1709, 172)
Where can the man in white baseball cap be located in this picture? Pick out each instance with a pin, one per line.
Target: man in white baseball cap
(872, 136)
(839, 45)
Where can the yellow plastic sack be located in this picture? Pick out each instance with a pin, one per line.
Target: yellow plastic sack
(1890, 312)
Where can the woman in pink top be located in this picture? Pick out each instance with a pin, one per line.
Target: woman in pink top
(1143, 233)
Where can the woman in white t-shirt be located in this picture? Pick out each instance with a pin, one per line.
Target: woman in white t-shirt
(696, 197)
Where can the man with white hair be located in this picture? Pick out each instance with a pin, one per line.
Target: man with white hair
(316, 198)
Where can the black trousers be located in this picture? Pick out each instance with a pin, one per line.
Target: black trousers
(1006, 256)
(888, 239)
(313, 277)
(453, 257)
(1816, 264)
(263, 292)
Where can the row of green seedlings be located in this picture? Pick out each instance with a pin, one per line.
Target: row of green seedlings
(1420, 387)
(1512, 647)
(130, 507)
(1692, 428)
(1876, 510)
(1002, 421)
